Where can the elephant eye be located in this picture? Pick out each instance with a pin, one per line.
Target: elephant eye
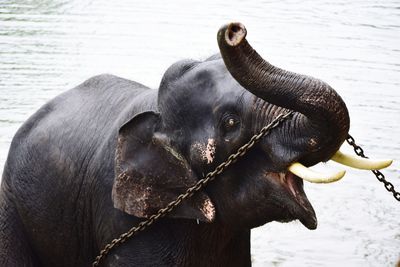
(231, 122)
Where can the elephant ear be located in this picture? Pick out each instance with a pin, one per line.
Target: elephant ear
(150, 173)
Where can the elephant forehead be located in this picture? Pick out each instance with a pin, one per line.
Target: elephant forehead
(214, 69)
(200, 95)
(211, 90)
(208, 74)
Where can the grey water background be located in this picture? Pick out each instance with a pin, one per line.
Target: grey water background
(49, 46)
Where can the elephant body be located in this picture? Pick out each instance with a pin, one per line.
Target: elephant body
(100, 158)
(57, 182)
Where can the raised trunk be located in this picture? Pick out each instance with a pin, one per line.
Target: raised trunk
(307, 95)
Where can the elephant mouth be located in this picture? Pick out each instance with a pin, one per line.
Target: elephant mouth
(298, 205)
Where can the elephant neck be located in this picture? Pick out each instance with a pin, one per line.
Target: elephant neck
(178, 242)
(202, 244)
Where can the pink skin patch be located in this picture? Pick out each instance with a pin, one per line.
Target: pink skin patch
(210, 151)
(207, 152)
(208, 210)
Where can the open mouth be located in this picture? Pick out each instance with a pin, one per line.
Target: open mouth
(292, 181)
(301, 207)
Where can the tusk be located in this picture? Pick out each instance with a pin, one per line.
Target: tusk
(360, 163)
(312, 176)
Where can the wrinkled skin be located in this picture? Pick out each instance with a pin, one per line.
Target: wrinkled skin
(97, 159)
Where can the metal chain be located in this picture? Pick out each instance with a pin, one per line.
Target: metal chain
(191, 190)
(381, 178)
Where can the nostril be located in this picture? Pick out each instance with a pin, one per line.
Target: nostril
(235, 28)
(231, 34)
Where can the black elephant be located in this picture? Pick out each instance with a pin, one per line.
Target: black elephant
(103, 156)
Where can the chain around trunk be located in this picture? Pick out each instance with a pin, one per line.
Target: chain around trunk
(191, 190)
(381, 178)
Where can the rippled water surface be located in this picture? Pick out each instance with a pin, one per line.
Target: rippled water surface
(49, 46)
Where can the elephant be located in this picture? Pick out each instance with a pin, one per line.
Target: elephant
(109, 153)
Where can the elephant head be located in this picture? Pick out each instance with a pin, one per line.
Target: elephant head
(206, 111)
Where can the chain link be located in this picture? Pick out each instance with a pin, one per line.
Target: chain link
(381, 178)
(191, 190)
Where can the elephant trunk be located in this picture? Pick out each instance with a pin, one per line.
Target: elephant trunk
(314, 98)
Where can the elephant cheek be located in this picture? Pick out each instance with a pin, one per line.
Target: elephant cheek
(203, 153)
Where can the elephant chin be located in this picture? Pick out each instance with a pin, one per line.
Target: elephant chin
(295, 200)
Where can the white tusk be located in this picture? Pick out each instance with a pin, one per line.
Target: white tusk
(312, 176)
(360, 163)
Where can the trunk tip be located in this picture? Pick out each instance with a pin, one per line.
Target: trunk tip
(232, 33)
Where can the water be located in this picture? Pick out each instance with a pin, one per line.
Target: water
(49, 46)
